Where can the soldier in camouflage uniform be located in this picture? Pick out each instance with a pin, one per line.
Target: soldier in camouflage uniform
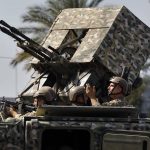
(117, 90)
(78, 97)
(45, 95)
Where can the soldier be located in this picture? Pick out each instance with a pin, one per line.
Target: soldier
(117, 90)
(78, 97)
(45, 95)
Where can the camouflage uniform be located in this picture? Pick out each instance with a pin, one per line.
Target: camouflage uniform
(78, 91)
(49, 97)
(116, 102)
(119, 99)
(19, 116)
(11, 136)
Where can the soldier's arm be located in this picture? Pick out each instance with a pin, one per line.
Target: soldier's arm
(14, 113)
(91, 93)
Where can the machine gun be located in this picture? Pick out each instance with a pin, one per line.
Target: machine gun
(28, 45)
(6, 104)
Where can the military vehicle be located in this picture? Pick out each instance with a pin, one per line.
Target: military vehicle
(84, 45)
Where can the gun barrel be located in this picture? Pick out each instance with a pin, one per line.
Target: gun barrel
(9, 102)
(28, 108)
(5, 30)
(16, 31)
(33, 53)
(20, 44)
(28, 45)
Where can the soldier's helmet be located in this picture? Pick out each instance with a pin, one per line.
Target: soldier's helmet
(75, 91)
(47, 92)
(122, 82)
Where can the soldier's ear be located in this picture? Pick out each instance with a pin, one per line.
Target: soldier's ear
(121, 89)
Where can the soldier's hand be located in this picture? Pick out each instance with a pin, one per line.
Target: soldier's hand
(10, 111)
(90, 91)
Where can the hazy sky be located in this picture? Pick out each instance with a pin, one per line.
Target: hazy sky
(14, 80)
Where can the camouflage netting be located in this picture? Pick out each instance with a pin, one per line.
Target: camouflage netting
(115, 37)
(11, 135)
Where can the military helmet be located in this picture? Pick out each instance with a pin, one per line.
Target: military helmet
(75, 91)
(46, 92)
(122, 82)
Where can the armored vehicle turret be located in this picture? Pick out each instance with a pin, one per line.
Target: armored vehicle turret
(84, 45)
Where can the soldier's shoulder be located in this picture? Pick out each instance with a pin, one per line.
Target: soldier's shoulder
(116, 102)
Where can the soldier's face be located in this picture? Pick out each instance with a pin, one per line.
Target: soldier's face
(114, 89)
(38, 102)
(81, 99)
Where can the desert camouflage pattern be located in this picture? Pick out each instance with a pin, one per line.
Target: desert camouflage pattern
(102, 129)
(115, 37)
(105, 41)
(116, 102)
(11, 135)
(55, 38)
(129, 44)
(103, 123)
(80, 18)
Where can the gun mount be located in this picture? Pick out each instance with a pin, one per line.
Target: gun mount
(85, 45)
(97, 44)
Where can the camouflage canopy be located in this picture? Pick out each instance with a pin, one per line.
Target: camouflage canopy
(114, 36)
